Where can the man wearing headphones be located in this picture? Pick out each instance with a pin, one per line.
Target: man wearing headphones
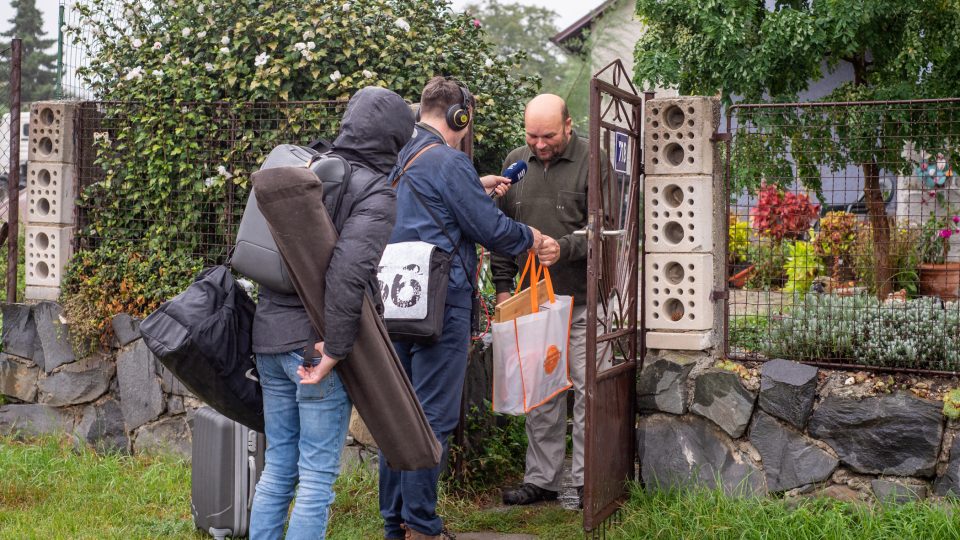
(441, 200)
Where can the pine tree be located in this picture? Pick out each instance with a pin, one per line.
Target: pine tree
(38, 68)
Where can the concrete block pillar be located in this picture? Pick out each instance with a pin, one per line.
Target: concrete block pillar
(51, 169)
(681, 188)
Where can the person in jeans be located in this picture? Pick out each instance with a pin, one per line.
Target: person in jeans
(306, 409)
(449, 192)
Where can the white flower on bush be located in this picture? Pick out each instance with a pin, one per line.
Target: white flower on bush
(136, 43)
(224, 50)
(336, 76)
(367, 74)
(311, 45)
(300, 46)
(157, 45)
(135, 73)
(157, 73)
(208, 66)
(225, 40)
(345, 7)
(222, 171)
(261, 59)
(307, 55)
(200, 9)
(402, 24)
(202, 34)
(185, 62)
(488, 62)
(309, 34)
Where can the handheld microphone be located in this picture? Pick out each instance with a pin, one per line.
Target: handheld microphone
(516, 171)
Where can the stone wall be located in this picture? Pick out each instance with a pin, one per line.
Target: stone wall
(781, 427)
(120, 399)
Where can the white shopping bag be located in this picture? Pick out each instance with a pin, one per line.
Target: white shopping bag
(530, 363)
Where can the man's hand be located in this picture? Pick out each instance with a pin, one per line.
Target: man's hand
(315, 374)
(537, 238)
(495, 185)
(502, 297)
(549, 251)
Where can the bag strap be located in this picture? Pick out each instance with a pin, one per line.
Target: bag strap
(410, 162)
(535, 273)
(344, 182)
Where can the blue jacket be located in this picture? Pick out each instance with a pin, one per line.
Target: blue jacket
(447, 182)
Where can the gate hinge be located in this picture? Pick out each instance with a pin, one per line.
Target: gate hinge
(719, 295)
(720, 137)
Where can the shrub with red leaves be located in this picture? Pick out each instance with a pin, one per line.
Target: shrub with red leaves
(780, 215)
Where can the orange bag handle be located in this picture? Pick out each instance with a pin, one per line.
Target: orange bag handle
(535, 273)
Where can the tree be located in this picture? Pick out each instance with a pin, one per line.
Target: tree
(772, 51)
(518, 29)
(38, 72)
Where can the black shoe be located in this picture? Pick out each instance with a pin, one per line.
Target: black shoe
(528, 494)
(580, 497)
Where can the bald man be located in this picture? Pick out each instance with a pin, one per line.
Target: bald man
(552, 198)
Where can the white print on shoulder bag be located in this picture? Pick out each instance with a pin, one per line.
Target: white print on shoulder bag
(404, 275)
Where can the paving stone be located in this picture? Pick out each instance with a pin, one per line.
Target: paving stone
(126, 329)
(789, 459)
(170, 435)
(896, 435)
(140, 396)
(18, 378)
(54, 335)
(34, 419)
(720, 396)
(662, 385)
(688, 451)
(19, 330)
(102, 427)
(78, 382)
(787, 390)
(897, 493)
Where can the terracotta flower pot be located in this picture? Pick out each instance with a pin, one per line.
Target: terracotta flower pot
(739, 279)
(941, 280)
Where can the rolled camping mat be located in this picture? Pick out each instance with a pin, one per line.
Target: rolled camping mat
(291, 200)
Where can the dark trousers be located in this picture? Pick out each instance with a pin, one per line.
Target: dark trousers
(437, 372)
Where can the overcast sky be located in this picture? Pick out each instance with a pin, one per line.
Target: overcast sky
(568, 11)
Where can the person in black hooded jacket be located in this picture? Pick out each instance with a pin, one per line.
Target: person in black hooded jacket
(306, 408)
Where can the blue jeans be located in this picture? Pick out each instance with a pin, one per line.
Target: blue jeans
(436, 372)
(306, 426)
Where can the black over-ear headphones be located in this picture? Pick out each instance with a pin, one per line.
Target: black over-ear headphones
(458, 115)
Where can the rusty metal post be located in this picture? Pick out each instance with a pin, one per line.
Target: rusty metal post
(13, 178)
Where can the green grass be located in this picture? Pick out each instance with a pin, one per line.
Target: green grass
(49, 490)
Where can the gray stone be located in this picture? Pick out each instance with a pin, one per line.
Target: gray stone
(169, 383)
(79, 382)
(662, 385)
(19, 330)
(33, 419)
(18, 379)
(38, 352)
(102, 427)
(789, 459)
(175, 405)
(897, 493)
(896, 435)
(787, 390)
(140, 396)
(54, 335)
(840, 493)
(126, 329)
(948, 483)
(721, 397)
(687, 452)
(357, 456)
(168, 436)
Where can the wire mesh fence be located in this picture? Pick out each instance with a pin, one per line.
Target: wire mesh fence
(175, 176)
(844, 234)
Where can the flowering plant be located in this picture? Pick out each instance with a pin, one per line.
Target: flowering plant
(935, 240)
(780, 214)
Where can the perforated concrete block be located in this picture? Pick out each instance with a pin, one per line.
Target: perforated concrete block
(47, 252)
(37, 293)
(677, 134)
(677, 291)
(51, 131)
(678, 214)
(680, 341)
(50, 193)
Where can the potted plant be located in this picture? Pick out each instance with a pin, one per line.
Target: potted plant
(938, 276)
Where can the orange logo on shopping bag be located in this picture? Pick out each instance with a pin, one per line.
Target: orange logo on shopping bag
(552, 360)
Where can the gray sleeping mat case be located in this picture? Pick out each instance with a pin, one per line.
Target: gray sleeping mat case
(256, 255)
(226, 464)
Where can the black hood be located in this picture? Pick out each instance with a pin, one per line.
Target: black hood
(377, 124)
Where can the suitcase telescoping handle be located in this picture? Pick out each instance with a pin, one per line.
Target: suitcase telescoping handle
(251, 480)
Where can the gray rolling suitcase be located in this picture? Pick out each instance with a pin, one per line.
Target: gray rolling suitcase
(226, 464)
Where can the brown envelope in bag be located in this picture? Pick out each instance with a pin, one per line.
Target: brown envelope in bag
(291, 200)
